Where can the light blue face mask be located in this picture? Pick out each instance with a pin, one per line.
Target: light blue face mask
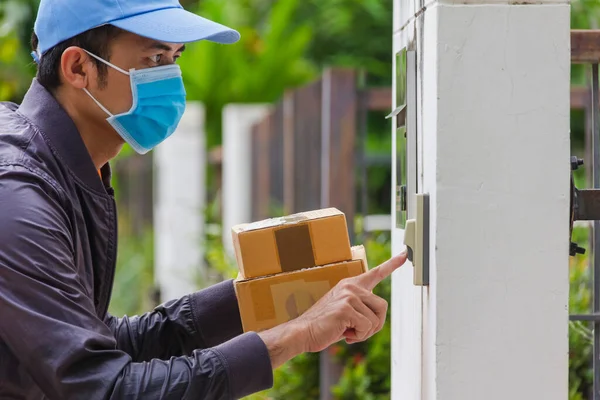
(158, 105)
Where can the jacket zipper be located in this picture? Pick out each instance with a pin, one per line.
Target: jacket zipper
(113, 266)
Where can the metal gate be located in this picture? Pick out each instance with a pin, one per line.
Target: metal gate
(585, 204)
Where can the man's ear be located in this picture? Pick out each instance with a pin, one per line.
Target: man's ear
(77, 68)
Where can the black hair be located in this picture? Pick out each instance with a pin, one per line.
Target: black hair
(96, 41)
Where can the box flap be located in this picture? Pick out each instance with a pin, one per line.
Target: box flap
(287, 220)
(359, 253)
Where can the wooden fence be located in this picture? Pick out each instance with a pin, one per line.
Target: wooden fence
(307, 150)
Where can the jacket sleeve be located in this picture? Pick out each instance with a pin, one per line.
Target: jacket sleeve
(49, 321)
(203, 319)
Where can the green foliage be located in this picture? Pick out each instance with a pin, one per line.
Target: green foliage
(580, 333)
(367, 372)
(352, 33)
(134, 278)
(377, 145)
(216, 256)
(268, 59)
(218, 259)
(282, 44)
(297, 379)
(16, 66)
(585, 14)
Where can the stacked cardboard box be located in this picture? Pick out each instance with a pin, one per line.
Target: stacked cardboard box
(287, 264)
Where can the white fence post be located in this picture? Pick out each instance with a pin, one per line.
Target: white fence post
(180, 165)
(238, 120)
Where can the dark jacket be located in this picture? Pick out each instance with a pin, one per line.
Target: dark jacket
(58, 245)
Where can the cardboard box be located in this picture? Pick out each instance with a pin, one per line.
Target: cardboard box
(291, 243)
(269, 301)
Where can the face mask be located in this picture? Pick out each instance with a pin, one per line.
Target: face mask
(158, 104)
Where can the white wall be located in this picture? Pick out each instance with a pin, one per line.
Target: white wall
(238, 120)
(180, 164)
(494, 145)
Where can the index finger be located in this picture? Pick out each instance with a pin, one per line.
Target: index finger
(372, 278)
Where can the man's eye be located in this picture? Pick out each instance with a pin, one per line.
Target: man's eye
(156, 58)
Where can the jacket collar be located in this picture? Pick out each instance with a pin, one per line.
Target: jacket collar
(42, 109)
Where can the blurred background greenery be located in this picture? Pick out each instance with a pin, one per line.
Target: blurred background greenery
(286, 44)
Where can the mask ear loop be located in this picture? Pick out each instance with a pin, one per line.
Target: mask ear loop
(107, 63)
(97, 102)
(110, 65)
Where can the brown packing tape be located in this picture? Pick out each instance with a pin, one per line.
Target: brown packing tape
(303, 245)
(294, 247)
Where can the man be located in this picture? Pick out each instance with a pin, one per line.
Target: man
(106, 76)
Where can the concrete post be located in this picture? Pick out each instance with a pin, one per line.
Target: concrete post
(180, 165)
(238, 120)
(492, 150)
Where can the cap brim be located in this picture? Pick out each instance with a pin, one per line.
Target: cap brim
(176, 25)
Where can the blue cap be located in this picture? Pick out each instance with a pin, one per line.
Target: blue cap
(162, 20)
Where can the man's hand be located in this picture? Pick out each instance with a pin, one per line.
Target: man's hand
(348, 311)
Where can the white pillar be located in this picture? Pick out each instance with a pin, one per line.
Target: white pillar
(493, 149)
(179, 206)
(238, 120)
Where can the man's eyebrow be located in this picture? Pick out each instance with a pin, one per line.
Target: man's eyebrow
(162, 46)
